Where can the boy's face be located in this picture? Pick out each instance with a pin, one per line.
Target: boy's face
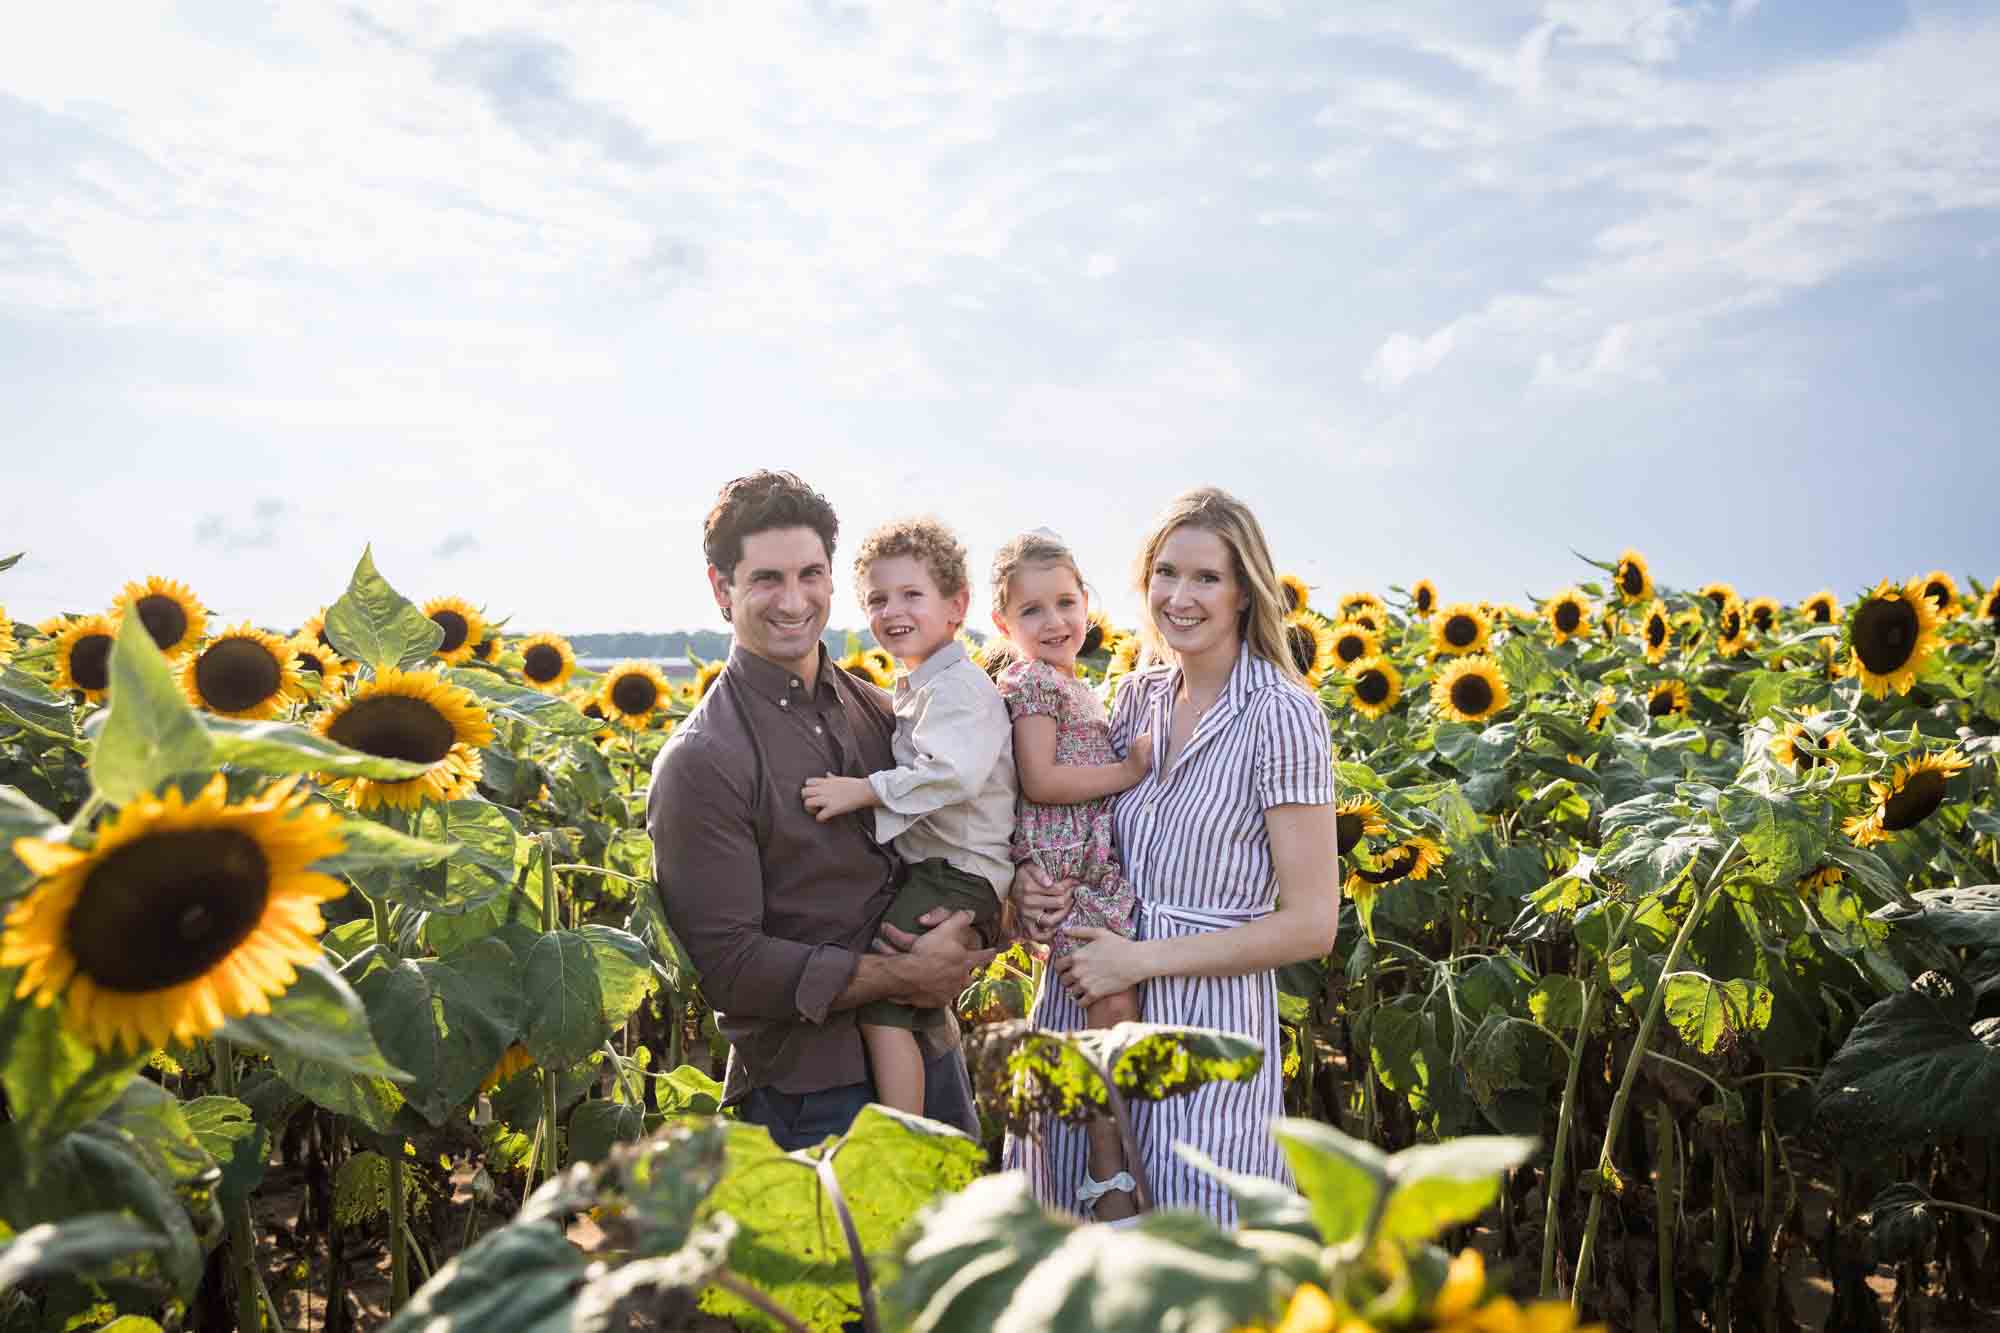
(906, 613)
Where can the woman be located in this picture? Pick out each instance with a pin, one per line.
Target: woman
(1229, 840)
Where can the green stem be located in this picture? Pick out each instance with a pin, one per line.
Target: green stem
(399, 1249)
(1623, 1097)
(242, 1236)
(1664, 1194)
(552, 1138)
(1771, 1258)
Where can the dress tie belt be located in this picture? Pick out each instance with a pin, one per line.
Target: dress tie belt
(1197, 918)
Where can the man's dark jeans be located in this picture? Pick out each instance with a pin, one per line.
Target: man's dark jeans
(801, 1120)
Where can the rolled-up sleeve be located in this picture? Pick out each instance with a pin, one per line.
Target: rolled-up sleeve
(957, 736)
(1293, 753)
(711, 885)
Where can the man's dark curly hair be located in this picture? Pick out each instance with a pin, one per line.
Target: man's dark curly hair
(757, 503)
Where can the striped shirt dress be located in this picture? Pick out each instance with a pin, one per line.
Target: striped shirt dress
(1193, 842)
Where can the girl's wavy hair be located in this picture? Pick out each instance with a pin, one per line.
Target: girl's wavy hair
(1262, 623)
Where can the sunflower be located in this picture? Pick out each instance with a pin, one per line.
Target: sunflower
(512, 1061)
(1568, 615)
(1351, 641)
(1412, 858)
(1634, 581)
(242, 672)
(1822, 608)
(1458, 1307)
(1821, 877)
(1667, 698)
(1912, 794)
(1099, 634)
(859, 664)
(1802, 746)
(413, 715)
(1763, 613)
(632, 691)
(1470, 690)
(546, 662)
(1297, 595)
(1356, 818)
(1658, 632)
(883, 661)
(1424, 598)
(1460, 629)
(1315, 648)
(1600, 707)
(488, 648)
(1377, 686)
(315, 628)
(1361, 601)
(1124, 659)
(83, 656)
(167, 609)
(1989, 606)
(1722, 594)
(463, 628)
(591, 707)
(705, 675)
(186, 913)
(328, 667)
(1941, 591)
(1732, 630)
(1889, 634)
(6, 637)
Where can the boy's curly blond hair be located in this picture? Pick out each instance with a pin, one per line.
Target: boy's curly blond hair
(925, 539)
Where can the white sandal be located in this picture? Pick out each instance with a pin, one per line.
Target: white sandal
(1090, 1191)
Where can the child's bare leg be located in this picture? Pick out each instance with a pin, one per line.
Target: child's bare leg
(1106, 1151)
(898, 1065)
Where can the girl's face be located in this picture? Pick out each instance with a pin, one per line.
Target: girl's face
(1047, 614)
(1193, 593)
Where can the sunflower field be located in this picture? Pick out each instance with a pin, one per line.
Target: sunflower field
(335, 992)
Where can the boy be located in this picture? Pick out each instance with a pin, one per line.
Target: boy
(948, 805)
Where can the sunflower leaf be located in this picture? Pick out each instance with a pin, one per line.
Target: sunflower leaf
(523, 1277)
(25, 701)
(54, 1082)
(55, 1249)
(150, 731)
(549, 711)
(319, 1024)
(282, 749)
(374, 623)
(8, 562)
(445, 1024)
(373, 846)
(20, 817)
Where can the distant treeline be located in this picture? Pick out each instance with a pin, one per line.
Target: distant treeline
(707, 644)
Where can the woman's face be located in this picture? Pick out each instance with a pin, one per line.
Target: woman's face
(1193, 593)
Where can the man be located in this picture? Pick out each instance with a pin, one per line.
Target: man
(777, 909)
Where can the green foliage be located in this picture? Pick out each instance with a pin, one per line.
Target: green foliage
(375, 624)
(79, 1245)
(446, 1023)
(150, 732)
(1916, 1068)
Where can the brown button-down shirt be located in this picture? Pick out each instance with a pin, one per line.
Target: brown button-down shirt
(773, 906)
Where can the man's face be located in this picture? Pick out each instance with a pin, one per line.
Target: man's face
(779, 596)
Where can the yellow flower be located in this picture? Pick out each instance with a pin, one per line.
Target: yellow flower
(1423, 598)
(1722, 594)
(547, 662)
(1658, 632)
(1989, 606)
(632, 691)
(1763, 613)
(463, 627)
(1941, 591)
(1413, 858)
(1297, 595)
(414, 715)
(1732, 631)
(83, 656)
(1099, 634)
(1801, 746)
(488, 648)
(1820, 877)
(1470, 690)
(512, 1061)
(862, 665)
(1377, 686)
(1822, 608)
(1361, 601)
(1912, 794)
(1460, 629)
(244, 673)
(1600, 707)
(167, 609)
(1350, 641)
(186, 913)
(1356, 818)
(1668, 698)
(705, 675)
(1315, 648)
(1633, 581)
(315, 655)
(1568, 615)
(1124, 659)
(1889, 634)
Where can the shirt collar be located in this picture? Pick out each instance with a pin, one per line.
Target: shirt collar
(774, 682)
(948, 656)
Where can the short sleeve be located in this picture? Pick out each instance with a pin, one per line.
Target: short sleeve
(1293, 753)
(1032, 689)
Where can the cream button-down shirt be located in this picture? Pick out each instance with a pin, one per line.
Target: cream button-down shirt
(951, 793)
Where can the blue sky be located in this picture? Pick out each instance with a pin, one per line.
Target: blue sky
(1442, 289)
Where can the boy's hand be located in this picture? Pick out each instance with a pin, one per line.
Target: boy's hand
(832, 796)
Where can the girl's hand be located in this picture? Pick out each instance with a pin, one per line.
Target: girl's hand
(1105, 963)
(1139, 757)
(830, 797)
(1040, 904)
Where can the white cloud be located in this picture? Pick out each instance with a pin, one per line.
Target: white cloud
(1402, 358)
(1101, 265)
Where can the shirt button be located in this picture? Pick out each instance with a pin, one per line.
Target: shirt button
(784, 703)
(796, 683)
(817, 729)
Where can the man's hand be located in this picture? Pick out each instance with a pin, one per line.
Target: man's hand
(831, 796)
(936, 965)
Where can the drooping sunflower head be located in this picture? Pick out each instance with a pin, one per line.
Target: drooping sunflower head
(1721, 594)
(1351, 641)
(1312, 645)
(1763, 613)
(512, 1061)
(186, 913)
(1356, 818)
(1667, 698)
(168, 610)
(1889, 634)
(547, 661)
(1658, 632)
(1362, 601)
(632, 692)
(242, 672)
(1568, 614)
(1098, 633)
(1732, 629)
(1297, 595)
(1377, 686)
(317, 662)
(1423, 598)
(1989, 606)
(1471, 689)
(83, 656)
(1460, 629)
(705, 676)
(1822, 608)
(1601, 705)
(1807, 744)
(463, 628)
(1634, 581)
(1821, 876)
(1941, 591)
(417, 716)
(488, 648)
(1913, 792)
(1412, 858)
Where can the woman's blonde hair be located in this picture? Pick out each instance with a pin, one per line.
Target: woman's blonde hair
(1040, 547)
(1263, 621)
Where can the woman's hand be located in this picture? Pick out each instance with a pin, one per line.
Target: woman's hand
(1040, 904)
(1105, 963)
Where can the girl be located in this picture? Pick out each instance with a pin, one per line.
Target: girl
(1068, 771)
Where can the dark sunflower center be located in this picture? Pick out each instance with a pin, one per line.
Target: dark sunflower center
(1291, 597)
(591, 709)
(1630, 581)
(455, 629)
(324, 642)
(1461, 631)
(1093, 638)
(1472, 695)
(166, 908)
(1347, 832)
(1656, 632)
(1810, 750)
(311, 662)
(1424, 600)
(1661, 704)
(1371, 687)
(1568, 616)
(1822, 613)
(1305, 648)
(541, 663)
(163, 618)
(1350, 647)
(1395, 865)
(90, 662)
(395, 726)
(634, 694)
(1920, 796)
(1763, 619)
(234, 674)
(1732, 625)
(1938, 593)
(484, 652)
(1885, 634)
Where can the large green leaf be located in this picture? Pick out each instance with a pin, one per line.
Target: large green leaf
(549, 711)
(319, 1020)
(1711, 1014)
(282, 749)
(150, 731)
(1958, 918)
(481, 868)
(240, 1146)
(1915, 1069)
(54, 1081)
(1343, 1179)
(1054, 1073)
(1439, 1185)
(579, 986)
(522, 1278)
(1781, 839)
(369, 846)
(374, 623)
(614, 1298)
(447, 1027)
(20, 818)
(625, 974)
(79, 1245)
(1262, 1204)
(25, 700)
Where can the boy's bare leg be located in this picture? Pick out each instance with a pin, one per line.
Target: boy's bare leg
(898, 1065)
(1106, 1156)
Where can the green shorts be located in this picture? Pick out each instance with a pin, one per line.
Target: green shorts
(933, 883)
